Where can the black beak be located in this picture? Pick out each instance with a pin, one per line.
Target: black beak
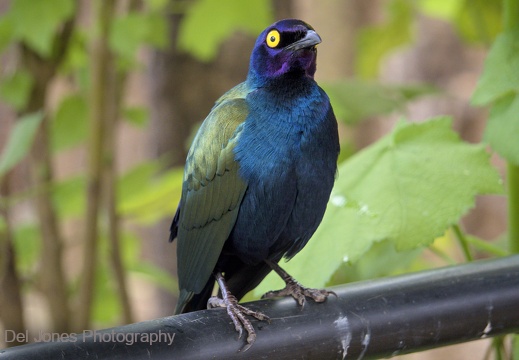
(310, 40)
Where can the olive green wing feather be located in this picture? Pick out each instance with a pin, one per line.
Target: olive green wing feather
(211, 195)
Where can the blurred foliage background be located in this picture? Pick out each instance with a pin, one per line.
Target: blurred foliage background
(99, 101)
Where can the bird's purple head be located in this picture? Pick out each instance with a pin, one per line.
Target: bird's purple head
(286, 47)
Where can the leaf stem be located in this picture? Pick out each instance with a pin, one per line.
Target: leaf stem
(510, 14)
(486, 246)
(513, 207)
(442, 255)
(463, 242)
(510, 22)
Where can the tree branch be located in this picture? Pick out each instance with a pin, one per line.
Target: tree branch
(98, 116)
(11, 308)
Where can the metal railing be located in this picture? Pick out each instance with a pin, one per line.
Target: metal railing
(370, 319)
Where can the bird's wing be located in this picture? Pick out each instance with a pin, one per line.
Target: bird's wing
(211, 195)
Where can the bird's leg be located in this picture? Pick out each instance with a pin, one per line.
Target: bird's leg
(236, 311)
(295, 289)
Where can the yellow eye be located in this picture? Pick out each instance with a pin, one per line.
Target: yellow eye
(273, 38)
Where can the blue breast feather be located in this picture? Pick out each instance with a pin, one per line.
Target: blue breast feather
(287, 153)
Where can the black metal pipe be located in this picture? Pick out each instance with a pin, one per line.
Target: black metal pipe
(370, 319)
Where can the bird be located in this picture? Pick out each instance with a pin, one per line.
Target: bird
(257, 179)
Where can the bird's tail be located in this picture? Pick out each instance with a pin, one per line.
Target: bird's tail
(188, 301)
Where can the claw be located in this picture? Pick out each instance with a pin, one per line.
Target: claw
(295, 289)
(237, 313)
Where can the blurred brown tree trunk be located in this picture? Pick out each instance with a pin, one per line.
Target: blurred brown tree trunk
(52, 276)
(338, 23)
(11, 307)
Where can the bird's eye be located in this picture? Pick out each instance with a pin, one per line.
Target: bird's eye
(273, 38)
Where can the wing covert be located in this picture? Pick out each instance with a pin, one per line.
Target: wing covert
(211, 194)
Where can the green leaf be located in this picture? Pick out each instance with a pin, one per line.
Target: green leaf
(133, 30)
(137, 116)
(146, 196)
(502, 131)
(157, 5)
(37, 21)
(6, 32)
(27, 245)
(443, 9)
(15, 89)
(407, 188)
(106, 307)
(69, 197)
(208, 23)
(356, 100)
(156, 275)
(70, 123)
(155, 199)
(479, 21)
(136, 179)
(130, 249)
(515, 347)
(377, 41)
(500, 75)
(77, 56)
(380, 260)
(20, 141)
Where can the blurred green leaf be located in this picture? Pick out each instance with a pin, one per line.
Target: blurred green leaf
(106, 307)
(27, 245)
(502, 130)
(137, 116)
(356, 100)
(443, 9)
(6, 32)
(479, 21)
(407, 188)
(155, 274)
(157, 5)
(137, 178)
(143, 194)
(154, 200)
(132, 30)
(70, 123)
(19, 141)
(500, 75)
(69, 197)
(515, 347)
(375, 42)
(77, 55)
(37, 21)
(208, 23)
(15, 89)
(130, 249)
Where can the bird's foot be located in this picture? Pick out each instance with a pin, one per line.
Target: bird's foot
(237, 314)
(300, 292)
(295, 289)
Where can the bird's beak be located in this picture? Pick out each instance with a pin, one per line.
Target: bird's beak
(310, 40)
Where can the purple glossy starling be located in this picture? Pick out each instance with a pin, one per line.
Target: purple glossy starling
(257, 178)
